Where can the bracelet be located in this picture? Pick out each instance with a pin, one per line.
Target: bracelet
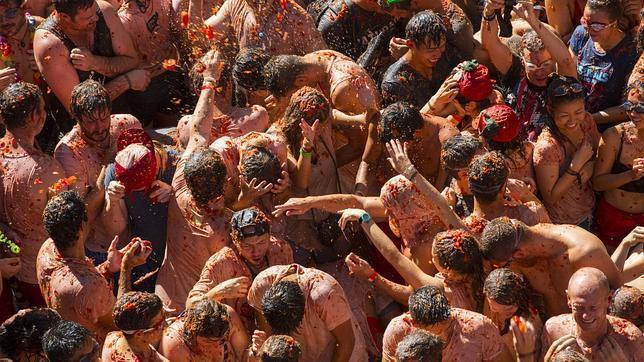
(410, 172)
(491, 17)
(305, 153)
(129, 82)
(372, 278)
(573, 173)
(457, 118)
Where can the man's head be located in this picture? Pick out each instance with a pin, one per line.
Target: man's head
(500, 240)
(206, 320)
(22, 107)
(537, 60)
(70, 342)
(23, 332)
(261, 164)
(135, 167)
(457, 153)
(79, 15)
(487, 176)
(284, 73)
(248, 70)
(429, 306)
(12, 16)
(280, 348)
(250, 232)
(283, 306)
(91, 107)
(420, 346)
(506, 293)
(205, 175)
(588, 297)
(426, 36)
(400, 121)
(308, 104)
(628, 303)
(64, 218)
(568, 355)
(139, 313)
(456, 255)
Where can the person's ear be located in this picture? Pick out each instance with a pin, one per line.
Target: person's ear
(410, 44)
(568, 300)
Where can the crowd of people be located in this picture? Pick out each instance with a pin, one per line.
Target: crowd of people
(322, 180)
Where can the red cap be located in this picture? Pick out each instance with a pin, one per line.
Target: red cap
(134, 135)
(140, 174)
(498, 123)
(475, 83)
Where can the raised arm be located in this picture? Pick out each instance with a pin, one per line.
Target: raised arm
(361, 269)
(635, 237)
(370, 157)
(332, 203)
(559, 17)
(500, 54)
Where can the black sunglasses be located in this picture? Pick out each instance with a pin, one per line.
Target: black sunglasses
(566, 89)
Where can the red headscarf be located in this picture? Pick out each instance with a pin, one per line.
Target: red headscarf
(144, 171)
(475, 83)
(498, 123)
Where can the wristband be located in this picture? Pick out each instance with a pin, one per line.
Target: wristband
(372, 278)
(364, 218)
(491, 17)
(305, 153)
(457, 118)
(129, 82)
(410, 172)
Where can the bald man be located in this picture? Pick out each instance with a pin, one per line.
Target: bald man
(547, 255)
(589, 329)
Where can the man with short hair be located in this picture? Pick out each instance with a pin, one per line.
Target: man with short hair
(254, 249)
(280, 348)
(69, 282)
(546, 255)
(28, 174)
(21, 335)
(87, 148)
(83, 39)
(591, 331)
(141, 320)
(465, 334)
(310, 306)
(70, 342)
(421, 346)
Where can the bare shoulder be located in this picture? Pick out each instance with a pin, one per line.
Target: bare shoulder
(558, 326)
(106, 8)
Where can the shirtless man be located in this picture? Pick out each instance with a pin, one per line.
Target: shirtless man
(423, 133)
(70, 341)
(69, 282)
(84, 39)
(197, 216)
(207, 331)
(17, 33)
(310, 306)
(87, 148)
(588, 329)
(27, 175)
(465, 334)
(546, 255)
(232, 269)
(140, 318)
(488, 181)
(278, 27)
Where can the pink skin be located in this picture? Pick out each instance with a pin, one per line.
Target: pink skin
(539, 76)
(85, 19)
(637, 118)
(254, 248)
(503, 311)
(568, 116)
(589, 308)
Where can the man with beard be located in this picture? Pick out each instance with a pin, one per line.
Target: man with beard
(87, 148)
(83, 39)
(16, 36)
(588, 328)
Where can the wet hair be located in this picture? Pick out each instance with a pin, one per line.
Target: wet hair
(195, 75)
(555, 81)
(63, 217)
(487, 176)
(283, 306)
(612, 8)
(500, 238)
(308, 104)
(136, 310)
(531, 42)
(72, 7)
(506, 287)
(25, 332)
(399, 121)
(628, 303)
(568, 355)
(17, 102)
(428, 306)
(259, 218)
(260, 163)
(205, 175)
(62, 341)
(206, 318)
(88, 99)
(420, 346)
(458, 152)
(426, 27)
(280, 348)
(280, 73)
(458, 250)
(248, 70)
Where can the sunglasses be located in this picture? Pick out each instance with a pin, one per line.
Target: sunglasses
(567, 89)
(633, 107)
(594, 26)
(532, 67)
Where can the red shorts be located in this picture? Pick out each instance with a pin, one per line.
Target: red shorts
(614, 224)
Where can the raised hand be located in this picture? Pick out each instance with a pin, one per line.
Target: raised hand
(398, 157)
(348, 215)
(358, 266)
(231, 288)
(292, 207)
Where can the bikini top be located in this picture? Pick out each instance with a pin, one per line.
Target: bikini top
(636, 186)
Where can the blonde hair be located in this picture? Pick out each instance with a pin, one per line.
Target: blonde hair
(131, 155)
